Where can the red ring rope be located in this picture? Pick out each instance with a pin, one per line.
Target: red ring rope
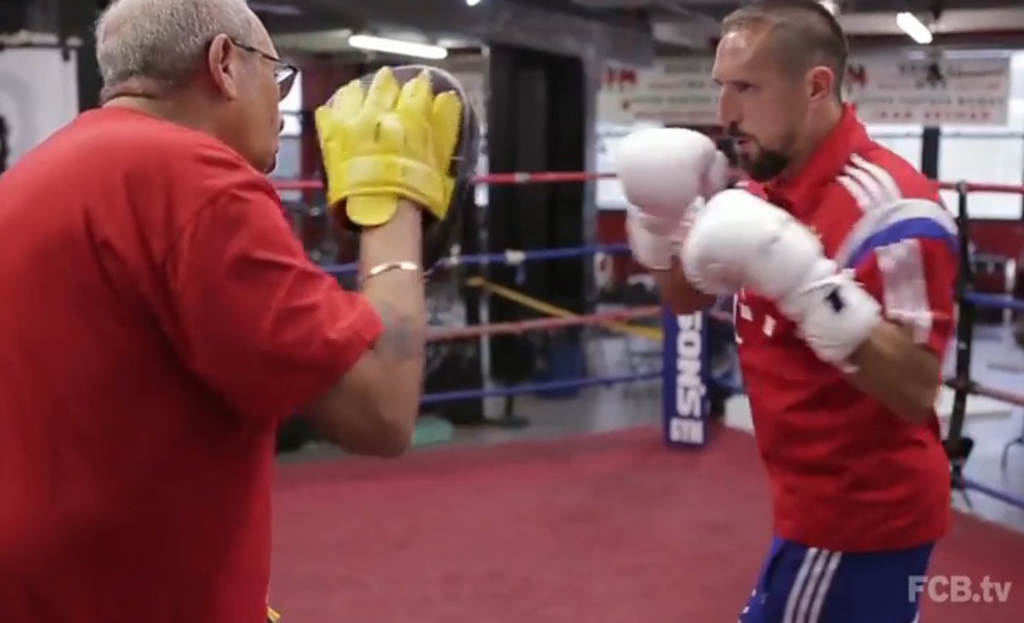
(974, 389)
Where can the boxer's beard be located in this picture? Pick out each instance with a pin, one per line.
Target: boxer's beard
(763, 166)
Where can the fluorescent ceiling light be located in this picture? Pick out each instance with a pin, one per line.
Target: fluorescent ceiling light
(914, 28)
(274, 8)
(397, 46)
(472, 2)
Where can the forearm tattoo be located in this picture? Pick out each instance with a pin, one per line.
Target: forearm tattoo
(403, 336)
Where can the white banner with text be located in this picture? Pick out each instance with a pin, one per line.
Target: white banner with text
(680, 91)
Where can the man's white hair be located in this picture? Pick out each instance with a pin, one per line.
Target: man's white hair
(163, 40)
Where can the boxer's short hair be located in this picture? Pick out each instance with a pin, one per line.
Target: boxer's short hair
(805, 33)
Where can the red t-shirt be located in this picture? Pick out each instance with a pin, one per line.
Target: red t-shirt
(159, 319)
(847, 473)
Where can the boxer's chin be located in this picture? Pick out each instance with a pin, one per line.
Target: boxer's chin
(765, 166)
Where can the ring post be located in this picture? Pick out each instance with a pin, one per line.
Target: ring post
(686, 372)
(958, 448)
(965, 320)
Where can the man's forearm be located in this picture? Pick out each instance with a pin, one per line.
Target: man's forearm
(897, 371)
(399, 297)
(678, 293)
(373, 408)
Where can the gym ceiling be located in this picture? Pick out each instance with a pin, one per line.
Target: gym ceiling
(626, 31)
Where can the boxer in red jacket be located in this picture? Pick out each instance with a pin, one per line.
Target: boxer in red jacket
(842, 263)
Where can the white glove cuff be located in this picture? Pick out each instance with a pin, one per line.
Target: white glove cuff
(840, 317)
(717, 178)
(654, 242)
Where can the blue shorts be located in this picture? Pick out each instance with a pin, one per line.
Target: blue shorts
(802, 584)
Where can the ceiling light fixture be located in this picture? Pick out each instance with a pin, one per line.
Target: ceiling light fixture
(914, 28)
(398, 47)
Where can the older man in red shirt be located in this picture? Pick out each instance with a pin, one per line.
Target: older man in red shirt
(160, 319)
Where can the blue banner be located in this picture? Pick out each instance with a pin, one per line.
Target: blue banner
(686, 404)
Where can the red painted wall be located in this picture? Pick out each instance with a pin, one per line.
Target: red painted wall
(1005, 238)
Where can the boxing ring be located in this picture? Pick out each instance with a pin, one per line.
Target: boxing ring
(646, 323)
(685, 366)
(488, 524)
(958, 445)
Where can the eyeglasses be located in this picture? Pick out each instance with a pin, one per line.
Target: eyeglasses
(284, 74)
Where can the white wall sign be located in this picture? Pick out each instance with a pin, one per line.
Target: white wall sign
(961, 92)
(885, 90)
(673, 92)
(38, 95)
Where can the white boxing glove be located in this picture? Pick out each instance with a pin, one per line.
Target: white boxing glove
(741, 241)
(655, 241)
(665, 175)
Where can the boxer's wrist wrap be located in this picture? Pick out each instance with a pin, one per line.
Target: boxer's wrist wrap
(835, 316)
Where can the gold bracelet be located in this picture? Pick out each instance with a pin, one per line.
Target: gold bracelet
(386, 267)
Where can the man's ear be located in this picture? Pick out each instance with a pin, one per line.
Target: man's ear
(222, 65)
(821, 83)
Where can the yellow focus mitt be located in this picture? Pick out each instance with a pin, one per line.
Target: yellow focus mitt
(389, 141)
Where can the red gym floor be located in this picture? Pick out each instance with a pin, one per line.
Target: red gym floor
(608, 528)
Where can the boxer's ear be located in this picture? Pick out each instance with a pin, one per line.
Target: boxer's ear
(820, 83)
(223, 64)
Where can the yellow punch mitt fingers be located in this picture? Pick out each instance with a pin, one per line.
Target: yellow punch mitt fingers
(383, 90)
(404, 133)
(455, 131)
(403, 165)
(377, 142)
(346, 125)
(446, 119)
(335, 122)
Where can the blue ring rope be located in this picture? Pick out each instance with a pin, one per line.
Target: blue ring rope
(994, 301)
(503, 258)
(1004, 497)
